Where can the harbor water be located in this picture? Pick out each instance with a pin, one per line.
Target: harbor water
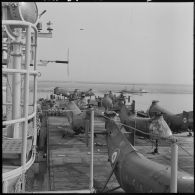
(175, 98)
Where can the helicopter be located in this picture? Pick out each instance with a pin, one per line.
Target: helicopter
(130, 118)
(177, 122)
(136, 173)
(89, 93)
(156, 125)
(77, 113)
(58, 91)
(76, 92)
(112, 102)
(76, 117)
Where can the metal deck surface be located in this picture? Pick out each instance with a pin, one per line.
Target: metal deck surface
(185, 159)
(69, 158)
(14, 146)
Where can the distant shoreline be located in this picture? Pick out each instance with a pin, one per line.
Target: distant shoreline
(106, 82)
(102, 87)
(153, 92)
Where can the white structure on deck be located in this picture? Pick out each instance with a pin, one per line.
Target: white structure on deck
(19, 40)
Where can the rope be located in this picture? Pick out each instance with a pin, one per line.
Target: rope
(151, 134)
(9, 86)
(134, 129)
(8, 57)
(61, 110)
(160, 137)
(184, 149)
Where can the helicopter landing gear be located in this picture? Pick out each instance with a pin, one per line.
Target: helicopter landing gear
(190, 132)
(156, 148)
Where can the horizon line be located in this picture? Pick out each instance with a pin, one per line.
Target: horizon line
(110, 82)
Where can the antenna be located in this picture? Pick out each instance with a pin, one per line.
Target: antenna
(42, 13)
(68, 73)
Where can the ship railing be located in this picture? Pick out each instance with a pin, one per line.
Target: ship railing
(10, 122)
(61, 192)
(27, 72)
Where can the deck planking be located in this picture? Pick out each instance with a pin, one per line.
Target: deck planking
(69, 158)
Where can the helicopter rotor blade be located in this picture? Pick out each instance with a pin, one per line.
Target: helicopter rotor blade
(61, 62)
(68, 72)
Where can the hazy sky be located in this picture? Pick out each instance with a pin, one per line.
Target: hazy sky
(121, 42)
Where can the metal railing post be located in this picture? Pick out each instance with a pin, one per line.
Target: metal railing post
(16, 82)
(5, 187)
(35, 91)
(86, 131)
(9, 93)
(174, 165)
(92, 149)
(26, 100)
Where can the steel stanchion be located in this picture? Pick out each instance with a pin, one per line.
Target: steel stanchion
(92, 149)
(174, 165)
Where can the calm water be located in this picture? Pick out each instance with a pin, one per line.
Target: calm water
(175, 98)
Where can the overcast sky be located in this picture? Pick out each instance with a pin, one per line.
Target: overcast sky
(121, 42)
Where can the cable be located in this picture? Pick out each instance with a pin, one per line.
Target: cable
(8, 57)
(131, 127)
(9, 86)
(151, 134)
(184, 149)
(160, 137)
(61, 110)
